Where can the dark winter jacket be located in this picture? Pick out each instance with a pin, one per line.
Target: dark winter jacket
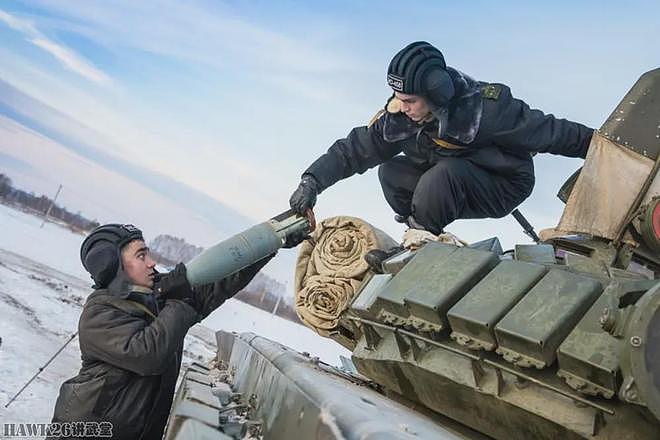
(496, 124)
(131, 360)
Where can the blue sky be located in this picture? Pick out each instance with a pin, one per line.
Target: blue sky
(235, 99)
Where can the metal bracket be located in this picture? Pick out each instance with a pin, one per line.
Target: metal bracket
(478, 372)
(371, 337)
(417, 348)
(500, 382)
(402, 344)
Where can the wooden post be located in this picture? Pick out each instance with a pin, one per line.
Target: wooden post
(51, 206)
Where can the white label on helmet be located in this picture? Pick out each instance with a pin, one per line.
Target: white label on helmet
(130, 229)
(396, 82)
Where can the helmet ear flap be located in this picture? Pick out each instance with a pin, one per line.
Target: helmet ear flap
(438, 88)
(100, 252)
(426, 75)
(102, 262)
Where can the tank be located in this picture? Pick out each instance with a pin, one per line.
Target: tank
(559, 339)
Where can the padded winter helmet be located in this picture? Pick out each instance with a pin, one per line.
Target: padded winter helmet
(100, 251)
(420, 69)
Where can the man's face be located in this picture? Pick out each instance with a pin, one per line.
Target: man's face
(414, 106)
(138, 264)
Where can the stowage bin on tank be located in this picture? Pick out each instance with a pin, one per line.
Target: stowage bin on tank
(473, 318)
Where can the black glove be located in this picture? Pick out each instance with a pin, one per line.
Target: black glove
(293, 240)
(304, 197)
(175, 285)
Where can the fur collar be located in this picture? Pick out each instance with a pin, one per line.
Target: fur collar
(465, 108)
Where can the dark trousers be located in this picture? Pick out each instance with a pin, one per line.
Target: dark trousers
(488, 183)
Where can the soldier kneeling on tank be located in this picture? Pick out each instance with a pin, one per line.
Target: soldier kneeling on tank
(131, 334)
(467, 147)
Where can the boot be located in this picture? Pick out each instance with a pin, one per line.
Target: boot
(376, 257)
(410, 221)
(401, 218)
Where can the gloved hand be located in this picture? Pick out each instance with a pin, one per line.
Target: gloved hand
(293, 240)
(175, 285)
(304, 197)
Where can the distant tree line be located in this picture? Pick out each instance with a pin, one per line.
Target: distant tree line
(260, 293)
(39, 204)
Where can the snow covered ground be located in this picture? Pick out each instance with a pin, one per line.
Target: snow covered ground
(42, 290)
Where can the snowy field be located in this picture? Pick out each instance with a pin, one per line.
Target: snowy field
(42, 290)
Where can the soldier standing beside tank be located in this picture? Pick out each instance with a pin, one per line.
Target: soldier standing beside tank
(131, 334)
(467, 145)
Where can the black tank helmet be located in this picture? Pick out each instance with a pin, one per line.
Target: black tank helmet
(420, 69)
(100, 252)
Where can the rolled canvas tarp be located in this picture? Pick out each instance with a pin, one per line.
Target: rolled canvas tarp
(330, 269)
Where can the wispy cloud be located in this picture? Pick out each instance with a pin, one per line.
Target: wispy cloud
(194, 30)
(223, 50)
(209, 34)
(74, 139)
(69, 58)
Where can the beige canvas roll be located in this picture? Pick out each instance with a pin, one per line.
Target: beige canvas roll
(331, 267)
